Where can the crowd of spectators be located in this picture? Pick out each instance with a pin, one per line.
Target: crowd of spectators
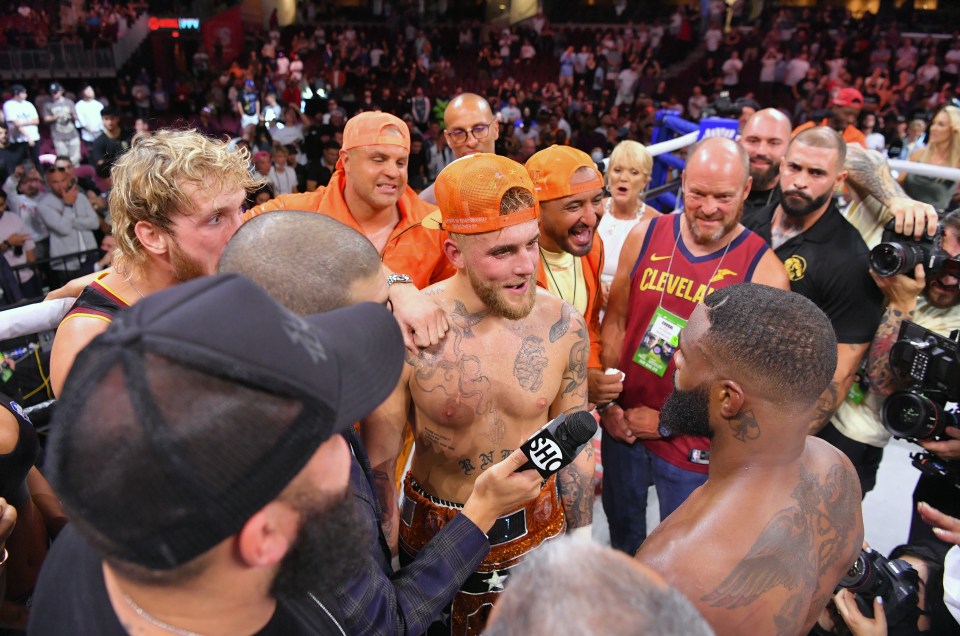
(288, 95)
(91, 23)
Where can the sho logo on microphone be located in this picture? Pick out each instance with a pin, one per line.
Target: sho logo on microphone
(546, 455)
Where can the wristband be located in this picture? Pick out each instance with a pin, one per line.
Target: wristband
(397, 278)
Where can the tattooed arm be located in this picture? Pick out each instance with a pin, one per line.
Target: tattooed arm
(902, 292)
(575, 482)
(869, 177)
(848, 361)
(382, 434)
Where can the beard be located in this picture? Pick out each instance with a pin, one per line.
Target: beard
(493, 297)
(702, 238)
(565, 241)
(687, 413)
(328, 550)
(184, 266)
(809, 205)
(763, 179)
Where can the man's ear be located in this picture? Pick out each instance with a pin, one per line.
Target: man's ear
(266, 537)
(153, 239)
(731, 397)
(451, 247)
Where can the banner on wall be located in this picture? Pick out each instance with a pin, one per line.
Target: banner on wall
(520, 10)
(225, 29)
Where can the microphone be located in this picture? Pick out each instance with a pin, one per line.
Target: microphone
(558, 443)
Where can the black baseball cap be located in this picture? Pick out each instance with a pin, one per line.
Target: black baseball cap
(16, 89)
(55, 87)
(200, 404)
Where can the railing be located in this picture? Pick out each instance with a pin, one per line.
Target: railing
(62, 60)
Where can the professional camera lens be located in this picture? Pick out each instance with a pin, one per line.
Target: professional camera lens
(861, 576)
(890, 259)
(913, 416)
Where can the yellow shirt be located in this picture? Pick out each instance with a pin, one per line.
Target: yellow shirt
(565, 278)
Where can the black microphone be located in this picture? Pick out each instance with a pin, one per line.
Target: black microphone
(558, 443)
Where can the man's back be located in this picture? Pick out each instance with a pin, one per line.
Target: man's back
(487, 387)
(777, 580)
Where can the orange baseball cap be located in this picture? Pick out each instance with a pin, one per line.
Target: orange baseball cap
(367, 129)
(469, 192)
(552, 168)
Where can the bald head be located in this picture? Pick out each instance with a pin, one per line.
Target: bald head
(765, 137)
(719, 157)
(591, 579)
(470, 125)
(308, 262)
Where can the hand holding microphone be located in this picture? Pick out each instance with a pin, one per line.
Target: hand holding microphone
(558, 443)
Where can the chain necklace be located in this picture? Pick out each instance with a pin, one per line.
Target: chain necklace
(674, 252)
(156, 622)
(140, 293)
(546, 265)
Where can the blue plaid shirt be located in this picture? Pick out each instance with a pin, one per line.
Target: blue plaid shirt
(379, 600)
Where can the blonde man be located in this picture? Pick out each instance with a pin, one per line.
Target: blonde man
(176, 202)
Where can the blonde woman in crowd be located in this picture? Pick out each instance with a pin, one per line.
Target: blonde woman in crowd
(942, 149)
(628, 174)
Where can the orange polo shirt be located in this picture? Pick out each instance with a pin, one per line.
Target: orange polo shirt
(411, 248)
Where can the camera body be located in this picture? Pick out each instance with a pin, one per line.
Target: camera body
(900, 254)
(873, 575)
(931, 364)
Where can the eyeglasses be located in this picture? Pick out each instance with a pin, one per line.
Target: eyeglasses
(56, 169)
(480, 131)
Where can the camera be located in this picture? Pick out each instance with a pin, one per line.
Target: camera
(873, 575)
(931, 364)
(899, 254)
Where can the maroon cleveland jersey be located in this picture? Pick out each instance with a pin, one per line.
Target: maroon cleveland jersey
(667, 270)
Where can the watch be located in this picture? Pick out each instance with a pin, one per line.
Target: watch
(398, 278)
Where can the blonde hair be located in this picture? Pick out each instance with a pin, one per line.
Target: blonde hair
(279, 150)
(953, 152)
(631, 154)
(148, 183)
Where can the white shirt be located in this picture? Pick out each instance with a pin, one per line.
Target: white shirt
(14, 110)
(796, 71)
(88, 114)
(282, 182)
(613, 232)
(731, 72)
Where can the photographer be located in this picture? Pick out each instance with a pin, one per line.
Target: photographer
(856, 428)
(935, 305)
(924, 614)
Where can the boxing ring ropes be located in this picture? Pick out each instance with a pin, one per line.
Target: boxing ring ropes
(670, 134)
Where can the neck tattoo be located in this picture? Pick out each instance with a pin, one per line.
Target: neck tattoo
(156, 622)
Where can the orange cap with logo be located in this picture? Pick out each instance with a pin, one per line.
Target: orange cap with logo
(469, 192)
(552, 168)
(374, 129)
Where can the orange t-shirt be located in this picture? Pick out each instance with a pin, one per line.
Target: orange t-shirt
(411, 248)
(851, 135)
